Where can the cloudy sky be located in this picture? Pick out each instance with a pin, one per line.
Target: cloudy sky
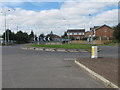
(57, 16)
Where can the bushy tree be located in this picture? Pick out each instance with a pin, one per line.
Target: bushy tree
(31, 36)
(65, 35)
(22, 37)
(42, 35)
(116, 33)
(9, 35)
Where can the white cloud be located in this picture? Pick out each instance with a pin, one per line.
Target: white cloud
(59, 0)
(70, 15)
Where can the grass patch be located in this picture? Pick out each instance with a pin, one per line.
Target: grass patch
(107, 44)
(65, 46)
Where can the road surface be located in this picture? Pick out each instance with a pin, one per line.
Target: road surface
(41, 69)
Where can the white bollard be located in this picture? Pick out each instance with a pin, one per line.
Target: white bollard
(94, 52)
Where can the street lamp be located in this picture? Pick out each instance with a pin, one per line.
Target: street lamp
(8, 31)
(92, 32)
(68, 29)
(5, 26)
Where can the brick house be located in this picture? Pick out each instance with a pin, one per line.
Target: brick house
(87, 34)
(54, 37)
(76, 33)
(104, 32)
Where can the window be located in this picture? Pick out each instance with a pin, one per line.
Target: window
(75, 33)
(70, 33)
(105, 30)
(82, 33)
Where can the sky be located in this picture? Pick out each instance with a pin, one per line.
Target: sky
(57, 16)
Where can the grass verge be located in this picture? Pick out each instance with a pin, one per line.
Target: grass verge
(65, 46)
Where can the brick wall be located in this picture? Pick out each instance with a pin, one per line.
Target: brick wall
(104, 31)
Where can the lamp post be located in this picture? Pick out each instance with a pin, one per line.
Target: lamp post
(5, 27)
(68, 30)
(92, 32)
(5, 30)
(8, 31)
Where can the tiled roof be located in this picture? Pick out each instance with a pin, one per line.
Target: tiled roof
(97, 27)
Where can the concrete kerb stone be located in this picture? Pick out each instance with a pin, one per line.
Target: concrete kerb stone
(61, 50)
(39, 49)
(54, 49)
(106, 82)
(49, 49)
(73, 50)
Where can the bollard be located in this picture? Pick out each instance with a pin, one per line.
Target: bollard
(94, 52)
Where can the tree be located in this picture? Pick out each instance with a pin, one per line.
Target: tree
(22, 37)
(65, 35)
(51, 32)
(116, 33)
(31, 36)
(9, 35)
(42, 35)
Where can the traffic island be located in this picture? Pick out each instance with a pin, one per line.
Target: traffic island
(104, 69)
(55, 49)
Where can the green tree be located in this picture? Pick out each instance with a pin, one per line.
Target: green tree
(22, 37)
(51, 32)
(65, 35)
(42, 35)
(116, 33)
(31, 36)
(9, 35)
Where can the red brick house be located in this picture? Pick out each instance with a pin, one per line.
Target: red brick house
(104, 32)
(54, 37)
(76, 33)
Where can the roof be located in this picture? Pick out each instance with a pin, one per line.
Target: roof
(103, 26)
(98, 27)
(95, 27)
(87, 32)
(54, 36)
(76, 30)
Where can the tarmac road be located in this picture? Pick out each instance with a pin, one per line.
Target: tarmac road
(40, 69)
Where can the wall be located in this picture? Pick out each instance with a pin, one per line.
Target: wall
(101, 32)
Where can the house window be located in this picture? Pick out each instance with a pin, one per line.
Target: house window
(72, 33)
(76, 33)
(105, 30)
(82, 33)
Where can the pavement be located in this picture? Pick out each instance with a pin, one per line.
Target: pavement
(103, 69)
(43, 69)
